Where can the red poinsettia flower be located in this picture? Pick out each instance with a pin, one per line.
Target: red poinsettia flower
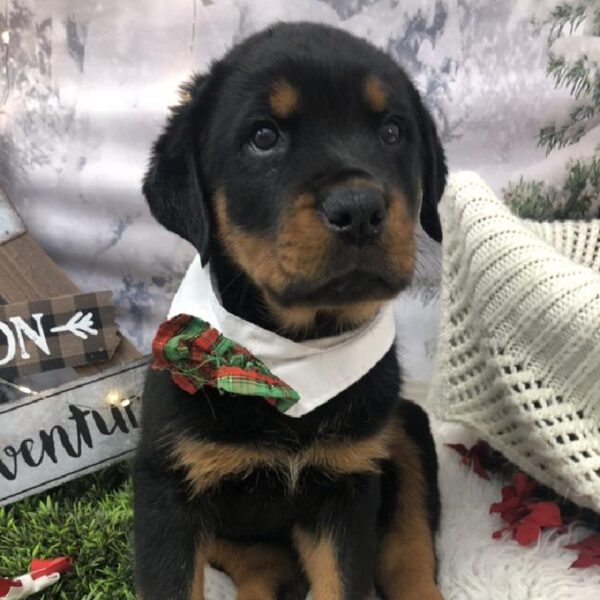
(514, 497)
(589, 552)
(525, 519)
(471, 457)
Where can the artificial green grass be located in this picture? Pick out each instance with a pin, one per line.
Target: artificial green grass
(90, 520)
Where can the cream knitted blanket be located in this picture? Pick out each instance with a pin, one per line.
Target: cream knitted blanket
(519, 348)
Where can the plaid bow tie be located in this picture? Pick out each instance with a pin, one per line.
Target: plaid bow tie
(197, 355)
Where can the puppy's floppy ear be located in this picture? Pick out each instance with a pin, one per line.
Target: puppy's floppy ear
(172, 186)
(434, 170)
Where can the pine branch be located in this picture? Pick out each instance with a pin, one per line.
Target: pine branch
(582, 189)
(582, 119)
(582, 78)
(531, 199)
(573, 63)
(576, 76)
(566, 15)
(577, 198)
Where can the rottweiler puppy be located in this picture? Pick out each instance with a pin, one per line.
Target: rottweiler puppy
(300, 165)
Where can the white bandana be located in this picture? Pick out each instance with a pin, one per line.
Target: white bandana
(317, 369)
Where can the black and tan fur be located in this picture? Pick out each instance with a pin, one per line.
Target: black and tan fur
(300, 166)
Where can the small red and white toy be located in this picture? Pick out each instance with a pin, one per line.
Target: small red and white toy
(42, 574)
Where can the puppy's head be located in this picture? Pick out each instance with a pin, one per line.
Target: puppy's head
(306, 156)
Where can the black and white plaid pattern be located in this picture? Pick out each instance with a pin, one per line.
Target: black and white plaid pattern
(66, 348)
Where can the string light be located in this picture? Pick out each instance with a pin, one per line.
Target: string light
(21, 388)
(115, 398)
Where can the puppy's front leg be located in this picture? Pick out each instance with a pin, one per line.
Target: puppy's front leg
(337, 544)
(259, 570)
(406, 562)
(169, 539)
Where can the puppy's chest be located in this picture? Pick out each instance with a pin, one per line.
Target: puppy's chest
(263, 504)
(208, 464)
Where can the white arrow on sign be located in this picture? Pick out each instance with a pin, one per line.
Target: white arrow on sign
(79, 325)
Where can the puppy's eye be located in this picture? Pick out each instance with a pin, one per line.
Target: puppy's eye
(265, 137)
(392, 132)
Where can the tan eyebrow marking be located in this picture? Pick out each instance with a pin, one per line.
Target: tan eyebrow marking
(283, 98)
(375, 93)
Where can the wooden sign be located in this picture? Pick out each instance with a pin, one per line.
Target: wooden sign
(28, 273)
(68, 331)
(58, 435)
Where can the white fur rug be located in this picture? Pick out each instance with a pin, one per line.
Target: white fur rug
(473, 566)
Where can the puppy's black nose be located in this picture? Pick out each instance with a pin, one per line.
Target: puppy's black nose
(356, 214)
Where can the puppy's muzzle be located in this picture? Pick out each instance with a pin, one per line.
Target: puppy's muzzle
(356, 215)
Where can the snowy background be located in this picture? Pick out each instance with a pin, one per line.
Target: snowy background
(90, 85)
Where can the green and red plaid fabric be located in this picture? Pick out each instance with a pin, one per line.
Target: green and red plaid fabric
(197, 355)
